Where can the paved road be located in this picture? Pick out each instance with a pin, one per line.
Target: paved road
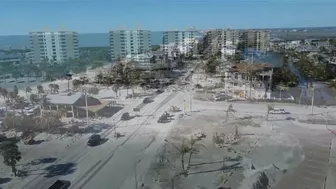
(117, 169)
(79, 153)
(312, 172)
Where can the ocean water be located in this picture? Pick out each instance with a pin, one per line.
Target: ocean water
(84, 40)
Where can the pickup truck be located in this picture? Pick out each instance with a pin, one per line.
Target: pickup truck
(277, 111)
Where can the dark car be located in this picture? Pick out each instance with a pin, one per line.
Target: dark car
(159, 91)
(60, 184)
(147, 100)
(125, 116)
(94, 140)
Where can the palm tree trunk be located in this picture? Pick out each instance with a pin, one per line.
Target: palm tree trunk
(14, 170)
(189, 159)
(182, 161)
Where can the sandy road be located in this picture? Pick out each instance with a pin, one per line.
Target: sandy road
(312, 172)
(122, 156)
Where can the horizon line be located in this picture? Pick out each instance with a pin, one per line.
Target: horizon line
(271, 28)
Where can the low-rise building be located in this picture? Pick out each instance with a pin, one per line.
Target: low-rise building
(11, 58)
(229, 50)
(75, 104)
(307, 48)
(170, 49)
(145, 57)
(240, 81)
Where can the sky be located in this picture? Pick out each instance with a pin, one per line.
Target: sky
(19, 17)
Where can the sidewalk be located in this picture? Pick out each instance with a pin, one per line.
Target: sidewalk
(331, 177)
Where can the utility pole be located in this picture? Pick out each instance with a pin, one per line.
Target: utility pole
(312, 100)
(87, 111)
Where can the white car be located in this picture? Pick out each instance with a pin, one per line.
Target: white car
(277, 111)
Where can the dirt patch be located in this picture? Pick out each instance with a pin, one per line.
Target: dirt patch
(232, 153)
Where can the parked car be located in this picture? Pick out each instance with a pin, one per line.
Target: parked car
(94, 140)
(60, 184)
(147, 100)
(277, 111)
(159, 91)
(125, 116)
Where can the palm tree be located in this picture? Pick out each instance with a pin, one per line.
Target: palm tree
(21, 103)
(75, 84)
(11, 155)
(51, 86)
(40, 89)
(28, 90)
(229, 111)
(193, 148)
(115, 88)
(34, 99)
(283, 87)
(4, 94)
(62, 112)
(93, 91)
(16, 90)
(12, 96)
(183, 149)
(134, 78)
(99, 78)
(269, 108)
(56, 88)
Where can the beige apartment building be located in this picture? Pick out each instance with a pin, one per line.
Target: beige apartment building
(53, 47)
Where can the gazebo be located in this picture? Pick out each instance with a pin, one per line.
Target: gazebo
(75, 104)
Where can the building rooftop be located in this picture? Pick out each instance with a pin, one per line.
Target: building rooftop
(5, 56)
(63, 98)
(244, 67)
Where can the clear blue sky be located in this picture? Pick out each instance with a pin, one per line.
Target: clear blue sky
(86, 16)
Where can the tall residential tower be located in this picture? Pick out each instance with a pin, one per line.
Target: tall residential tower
(124, 42)
(256, 40)
(56, 47)
(183, 41)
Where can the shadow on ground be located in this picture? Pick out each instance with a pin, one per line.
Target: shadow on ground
(109, 111)
(103, 140)
(96, 128)
(37, 142)
(60, 169)
(4, 180)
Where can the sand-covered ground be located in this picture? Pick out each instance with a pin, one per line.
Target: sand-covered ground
(237, 165)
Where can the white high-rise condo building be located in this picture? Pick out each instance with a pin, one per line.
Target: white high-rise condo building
(184, 41)
(53, 47)
(129, 42)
